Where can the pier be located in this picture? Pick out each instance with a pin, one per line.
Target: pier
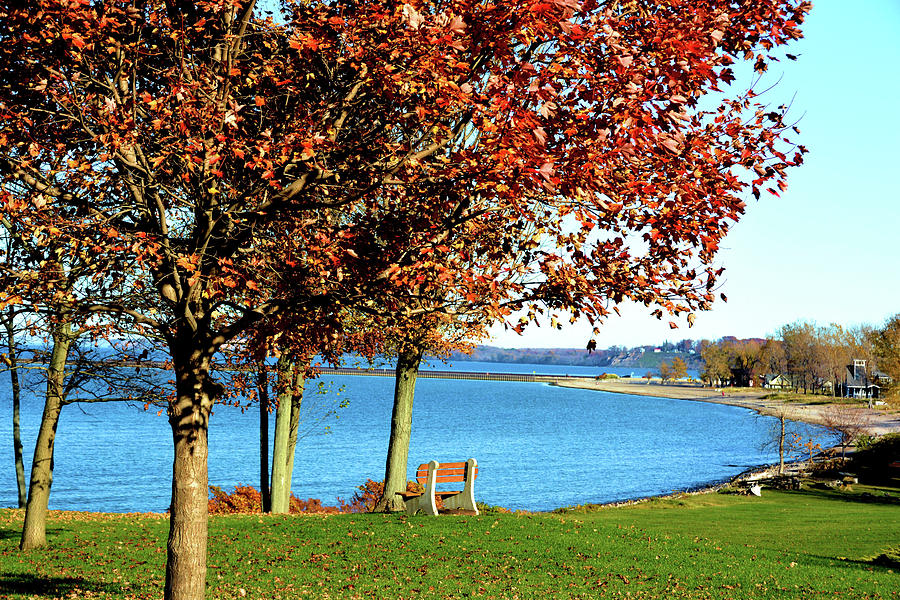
(479, 376)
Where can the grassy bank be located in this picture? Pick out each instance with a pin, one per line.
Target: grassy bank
(812, 543)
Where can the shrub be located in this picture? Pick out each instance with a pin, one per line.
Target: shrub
(368, 494)
(247, 499)
(490, 509)
(873, 462)
(244, 499)
(864, 442)
(890, 558)
(314, 506)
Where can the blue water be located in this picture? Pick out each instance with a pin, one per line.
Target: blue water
(539, 446)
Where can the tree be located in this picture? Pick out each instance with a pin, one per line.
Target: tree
(847, 421)
(176, 143)
(291, 379)
(438, 336)
(665, 371)
(782, 435)
(716, 368)
(772, 360)
(679, 368)
(54, 277)
(744, 361)
(11, 361)
(801, 353)
(835, 354)
(72, 371)
(886, 342)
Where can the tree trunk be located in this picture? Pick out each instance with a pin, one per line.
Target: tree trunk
(15, 388)
(189, 419)
(291, 378)
(34, 531)
(262, 387)
(296, 402)
(281, 483)
(408, 360)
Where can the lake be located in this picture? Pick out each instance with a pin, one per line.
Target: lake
(538, 446)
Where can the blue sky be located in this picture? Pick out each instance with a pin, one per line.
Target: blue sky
(826, 251)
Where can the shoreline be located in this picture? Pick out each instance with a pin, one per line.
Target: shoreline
(878, 420)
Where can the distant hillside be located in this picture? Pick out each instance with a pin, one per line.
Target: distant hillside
(646, 357)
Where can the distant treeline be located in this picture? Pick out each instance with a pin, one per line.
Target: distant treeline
(644, 358)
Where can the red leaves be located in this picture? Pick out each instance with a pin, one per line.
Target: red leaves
(390, 122)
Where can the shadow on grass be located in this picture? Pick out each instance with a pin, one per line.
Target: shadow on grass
(26, 584)
(823, 491)
(15, 534)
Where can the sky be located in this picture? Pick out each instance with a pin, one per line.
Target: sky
(827, 250)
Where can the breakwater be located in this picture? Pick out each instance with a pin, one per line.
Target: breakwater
(477, 376)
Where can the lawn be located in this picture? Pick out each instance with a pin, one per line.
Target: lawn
(806, 544)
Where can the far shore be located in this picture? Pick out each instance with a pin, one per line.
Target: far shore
(881, 419)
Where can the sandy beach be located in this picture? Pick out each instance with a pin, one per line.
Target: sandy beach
(879, 420)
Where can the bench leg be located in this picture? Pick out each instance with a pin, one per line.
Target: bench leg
(466, 498)
(421, 504)
(462, 500)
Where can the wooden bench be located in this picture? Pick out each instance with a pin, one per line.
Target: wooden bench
(434, 473)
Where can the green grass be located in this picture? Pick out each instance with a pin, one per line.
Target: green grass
(815, 543)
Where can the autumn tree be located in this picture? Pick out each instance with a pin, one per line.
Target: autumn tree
(716, 367)
(13, 333)
(665, 371)
(803, 353)
(744, 361)
(437, 334)
(174, 144)
(292, 344)
(886, 341)
(835, 354)
(679, 368)
(772, 360)
(37, 266)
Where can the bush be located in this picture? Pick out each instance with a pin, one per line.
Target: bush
(873, 461)
(490, 509)
(244, 499)
(890, 558)
(864, 442)
(247, 499)
(368, 494)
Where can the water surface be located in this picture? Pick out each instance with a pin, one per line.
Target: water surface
(539, 446)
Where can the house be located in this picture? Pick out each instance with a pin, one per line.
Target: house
(778, 382)
(858, 383)
(882, 378)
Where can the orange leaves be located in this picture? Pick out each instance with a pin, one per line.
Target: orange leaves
(410, 156)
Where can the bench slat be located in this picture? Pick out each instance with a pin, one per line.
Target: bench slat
(437, 493)
(447, 472)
